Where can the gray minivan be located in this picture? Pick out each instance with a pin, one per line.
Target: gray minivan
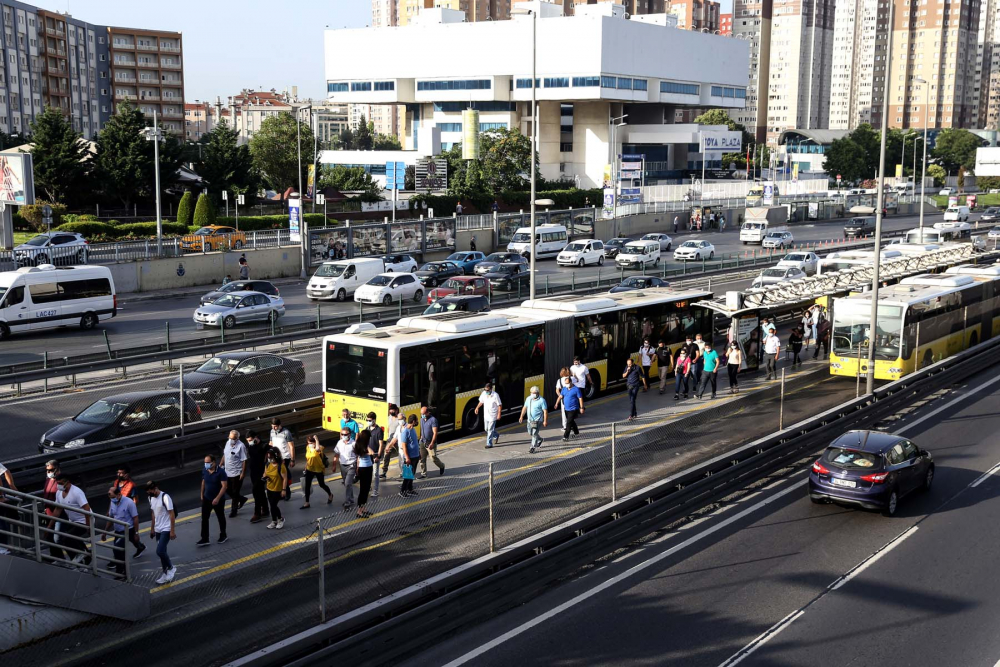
(860, 226)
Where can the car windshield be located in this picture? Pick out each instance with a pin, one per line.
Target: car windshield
(439, 307)
(356, 370)
(651, 237)
(496, 257)
(850, 459)
(229, 300)
(102, 412)
(521, 237)
(794, 257)
(39, 240)
(690, 244)
(617, 243)
(330, 270)
(457, 256)
(205, 231)
(433, 268)
(219, 366)
(505, 268)
(773, 273)
(996, 229)
(634, 282)
(635, 248)
(455, 284)
(774, 235)
(232, 287)
(576, 247)
(380, 281)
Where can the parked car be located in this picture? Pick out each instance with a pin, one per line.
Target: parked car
(239, 307)
(262, 286)
(697, 249)
(859, 226)
(994, 234)
(120, 416)
(991, 214)
(214, 237)
(234, 375)
(52, 248)
(388, 287)
(460, 285)
(509, 276)
(778, 239)
(399, 264)
(777, 274)
(467, 259)
(581, 253)
(638, 282)
(465, 303)
(665, 241)
(807, 262)
(870, 469)
(946, 192)
(433, 274)
(637, 254)
(614, 246)
(495, 259)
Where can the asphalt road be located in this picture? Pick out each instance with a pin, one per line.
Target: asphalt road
(772, 579)
(144, 322)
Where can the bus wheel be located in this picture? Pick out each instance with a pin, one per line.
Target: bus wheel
(928, 359)
(471, 421)
(974, 339)
(593, 388)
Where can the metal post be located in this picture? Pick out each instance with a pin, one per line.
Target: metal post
(916, 349)
(361, 311)
(180, 375)
(598, 276)
(37, 529)
(614, 462)
(107, 343)
(546, 285)
(45, 365)
(923, 169)
(400, 307)
(781, 403)
(322, 570)
(572, 281)
(156, 158)
(492, 529)
(222, 330)
(167, 324)
(857, 373)
(317, 317)
(534, 147)
(93, 545)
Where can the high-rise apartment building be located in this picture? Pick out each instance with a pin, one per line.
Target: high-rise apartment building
(198, 121)
(752, 23)
(986, 94)
(695, 14)
(631, 6)
(725, 24)
(475, 10)
(147, 70)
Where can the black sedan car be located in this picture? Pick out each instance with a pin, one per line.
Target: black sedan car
(614, 246)
(120, 416)
(433, 274)
(508, 276)
(638, 282)
(473, 303)
(870, 469)
(261, 286)
(494, 260)
(233, 376)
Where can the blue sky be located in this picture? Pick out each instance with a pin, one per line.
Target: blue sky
(235, 44)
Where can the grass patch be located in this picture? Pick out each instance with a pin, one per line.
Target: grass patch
(982, 200)
(22, 237)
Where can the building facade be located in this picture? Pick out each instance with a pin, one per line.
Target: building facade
(591, 68)
(474, 10)
(198, 120)
(147, 69)
(986, 94)
(696, 14)
(752, 24)
(247, 110)
(725, 24)
(330, 120)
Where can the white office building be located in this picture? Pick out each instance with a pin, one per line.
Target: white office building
(592, 67)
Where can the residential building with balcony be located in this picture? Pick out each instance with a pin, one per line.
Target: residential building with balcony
(198, 120)
(147, 69)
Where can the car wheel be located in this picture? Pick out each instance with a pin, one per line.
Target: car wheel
(592, 389)
(581, 263)
(928, 479)
(387, 300)
(711, 255)
(471, 422)
(229, 322)
(341, 294)
(81, 257)
(288, 386)
(272, 316)
(41, 259)
(600, 260)
(669, 246)
(892, 504)
(388, 270)
(744, 243)
(4, 332)
(220, 400)
(508, 286)
(656, 262)
(88, 321)
(817, 501)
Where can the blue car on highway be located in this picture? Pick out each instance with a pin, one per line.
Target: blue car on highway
(870, 469)
(467, 260)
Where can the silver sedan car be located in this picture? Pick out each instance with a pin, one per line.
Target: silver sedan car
(239, 307)
(777, 275)
(807, 261)
(665, 241)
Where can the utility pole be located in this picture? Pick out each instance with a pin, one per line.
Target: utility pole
(153, 134)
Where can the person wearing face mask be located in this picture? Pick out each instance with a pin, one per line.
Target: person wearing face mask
(256, 459)
(428, 441)
(571, 399)
(123, 508)
(282, 439)
(392, 448)
(646, 356)
(276, 482)
(124, 484)
(234, 460)
(633, 378)
(538, 417)
(409, 449)
(378, 445)
(343, 454)
(682, 370)
(315, 469)
(49, 493)
(73, 526)
(161, 528)
(213, 494)
(489, 400)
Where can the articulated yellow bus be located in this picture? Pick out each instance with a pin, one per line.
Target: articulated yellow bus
(443, 360)
(921, 320)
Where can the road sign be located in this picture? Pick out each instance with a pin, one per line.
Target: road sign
(294, 221)
(225, 196)
(395, 175)
(320, 198)
(239, 199)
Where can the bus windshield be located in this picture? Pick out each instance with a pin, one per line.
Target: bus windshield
(356, 370)
(851, 320)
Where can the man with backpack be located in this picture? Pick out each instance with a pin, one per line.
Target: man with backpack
(161, 528)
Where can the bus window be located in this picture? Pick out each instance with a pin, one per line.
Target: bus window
(356, 370)
(536, 351)
(411, 377)
(473, 364)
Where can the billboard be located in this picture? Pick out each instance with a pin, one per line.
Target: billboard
(470, 134)
(609, 203)
(721, 142)
(310, 181)
(431, 174)
(18, 184)
(295, 220)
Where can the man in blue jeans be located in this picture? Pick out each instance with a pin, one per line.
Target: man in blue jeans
(489, 400)
(161, 528)
(538, 417)
(572, 402)
(213, 492)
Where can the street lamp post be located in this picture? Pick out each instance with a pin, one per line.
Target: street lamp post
(314, 125)
(923, 171)
(298, 143)
(534, 137)
(616, 122)
(153, 134)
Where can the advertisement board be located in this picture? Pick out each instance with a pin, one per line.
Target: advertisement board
(310, 181)
(327, 244)
(813, 210)
(18, 184)
(747, 328)
(768, 198)
(295, 220)
(440, 235)
(470, 134)
(721, 142)
(431, 174)
(952, 200)
(609, 203)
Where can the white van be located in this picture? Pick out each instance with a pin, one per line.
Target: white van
(753, 231)
(637, 254)
(904, 188)
(339, 279)
(582, 252)
(956, 214)
(44, 297)
(550, 239)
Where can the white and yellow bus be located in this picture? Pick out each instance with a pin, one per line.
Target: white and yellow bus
(444, 360)
(921, 320)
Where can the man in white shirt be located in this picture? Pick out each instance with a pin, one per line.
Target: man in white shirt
(344, 454)
(772, 346)
(234, 460)
(161, 528)
(580, 374)
(282, 439)
(73, 525)
(646, 354)
(490, 402)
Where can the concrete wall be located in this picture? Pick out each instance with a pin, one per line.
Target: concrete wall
(208, 269)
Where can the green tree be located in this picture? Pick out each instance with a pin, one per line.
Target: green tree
(225, 165)
(847, 158)
(503, 165)
(364, 137)
(937, 172)
(275, 155)
(185, 209)
(720, 117)
(386, 142)
(204, 211)
(350, 179)
(59, 156)
(955, 149)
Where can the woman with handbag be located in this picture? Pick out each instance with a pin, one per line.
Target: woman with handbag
(316, 465)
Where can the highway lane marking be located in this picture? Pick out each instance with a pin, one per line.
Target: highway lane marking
(784, 623)
(947, 405)
(986, 475)
(614, 581)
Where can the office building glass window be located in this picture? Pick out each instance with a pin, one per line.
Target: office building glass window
(586, 81)
(566, 128)
(624, 83)
(680, 88)
(385, 85)
(454, 107)
(460, 84)
(357, 86)
(607, 82)
(450, 127)
(336, 87)
(526, 83)
(486, 127)
(557, 82)
(639, 84)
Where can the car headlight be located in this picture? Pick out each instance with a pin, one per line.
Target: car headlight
(79, 442)
(197, 392)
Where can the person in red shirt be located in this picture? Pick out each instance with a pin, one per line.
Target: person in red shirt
(123, 481)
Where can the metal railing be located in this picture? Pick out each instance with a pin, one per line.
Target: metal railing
(28, 530)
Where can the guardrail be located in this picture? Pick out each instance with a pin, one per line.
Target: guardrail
(511, 575)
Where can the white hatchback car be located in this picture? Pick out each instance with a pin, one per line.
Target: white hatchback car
(581, 253)
(804, 261)
(778, 274)
(665, 241)
(778, 239)
(388, 287)
(638, 254)
(694, 249)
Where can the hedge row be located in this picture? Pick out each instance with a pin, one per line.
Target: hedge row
(103, 231)
(253, 223)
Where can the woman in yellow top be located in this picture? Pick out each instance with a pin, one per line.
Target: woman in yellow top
(315, 468)
(275, 475)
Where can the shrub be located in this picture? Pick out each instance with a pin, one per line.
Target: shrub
(20, 224)
(92, 231)
(253, 223)
(33, 214)
(185, 209)
(204, 211)
(986, 183)
(148, 229)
